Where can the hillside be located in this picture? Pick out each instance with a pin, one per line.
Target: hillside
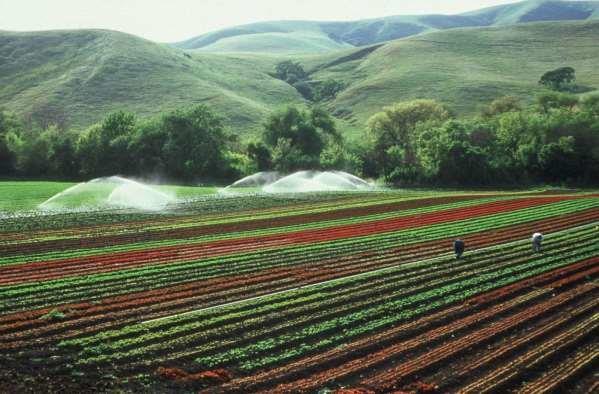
(290, 37)
(74, 78)
(536, 11)
(463, 67)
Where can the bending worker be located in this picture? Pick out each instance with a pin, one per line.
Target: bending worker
(537, 239)
(458, 248)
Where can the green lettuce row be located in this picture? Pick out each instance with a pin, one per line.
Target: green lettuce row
(214, 267)
(48, 256)
(352, 319)
(164, 329)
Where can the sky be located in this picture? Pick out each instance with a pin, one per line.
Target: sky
(177, 20)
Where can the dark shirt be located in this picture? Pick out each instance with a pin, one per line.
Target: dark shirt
(458, 246)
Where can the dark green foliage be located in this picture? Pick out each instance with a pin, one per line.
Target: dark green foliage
(305, 89)
(103, 148)
(62, 153)
(501, 105)
(555, 100)
(9, 124)
(195, 144)
(393, 134)
(554, 142)
(591, 104)
(260, 155)
(293, 73)
(456, 152)
(558, 161)
(297, 138)
(557, 79)
(413, 142)
(327, 90)
(183, 145)
(146, 146)
(290, 72)
(337, 157)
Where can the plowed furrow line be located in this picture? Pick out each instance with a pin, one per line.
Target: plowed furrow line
(335, 357)
(504, 374)
(361, 229)
(33, 272)
(394, 376)
(124, 309)
(553, 378)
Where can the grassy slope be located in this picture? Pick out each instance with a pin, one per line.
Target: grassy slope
(535, 11)
(283, 43)
(82, 75)
(315, 37)
(33, 193)
(76, 77)
(462, 67)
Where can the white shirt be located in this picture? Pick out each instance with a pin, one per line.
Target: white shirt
(538, 236)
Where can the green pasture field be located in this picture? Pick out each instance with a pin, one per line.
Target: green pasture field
(18, 196)
(27, 195)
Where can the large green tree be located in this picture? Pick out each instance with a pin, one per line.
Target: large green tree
(456, 152)
(393, 136)
(9, 126)
(145, 147)
(297, 137)
(290, 72)
(558, 78)
(195, 146)
(103, 148)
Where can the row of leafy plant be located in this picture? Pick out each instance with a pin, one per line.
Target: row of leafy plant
(397, 300)
(147, 277)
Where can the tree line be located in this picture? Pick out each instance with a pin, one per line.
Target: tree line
(555, 140)
(418, 142)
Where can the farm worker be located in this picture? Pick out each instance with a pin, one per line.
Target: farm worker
(537, 238)
(458, 248)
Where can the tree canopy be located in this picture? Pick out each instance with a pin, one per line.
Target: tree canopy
(558, 78)
(297, 137)
(418, 142)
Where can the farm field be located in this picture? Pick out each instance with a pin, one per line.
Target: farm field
(342, 292)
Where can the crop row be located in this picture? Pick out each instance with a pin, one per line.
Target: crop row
(172, 299)
(269, 351)
(316, 371)
(335, 326)
(202, 207)
(157, 276)
(82, 265)
(390, 377)
(174, 224)
(504, 373)
(306, 236)
(582, 359)
(231, 231)
(412, 273)
(439, 343)
(79, 288)
(180, 225)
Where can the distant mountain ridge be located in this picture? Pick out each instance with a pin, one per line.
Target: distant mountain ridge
(318, 37)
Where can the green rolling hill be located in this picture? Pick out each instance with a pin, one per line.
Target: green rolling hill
(536, 11)
(292, 37)
(74, 78)
(464, 68)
